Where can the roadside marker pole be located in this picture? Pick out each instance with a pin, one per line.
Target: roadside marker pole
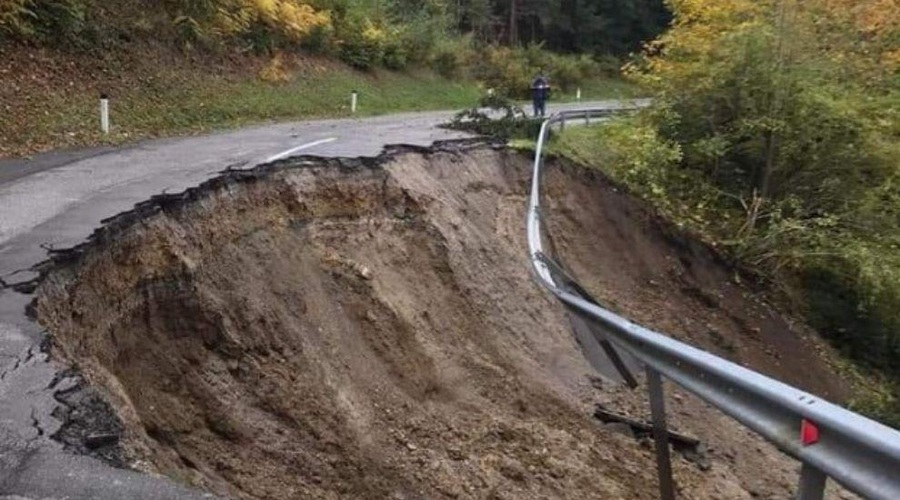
(104, 113)
(354, 97)
(578, 94)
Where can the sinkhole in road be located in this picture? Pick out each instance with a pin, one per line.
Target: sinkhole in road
(369, 328)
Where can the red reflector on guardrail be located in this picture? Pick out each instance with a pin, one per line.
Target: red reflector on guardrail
(809, 433)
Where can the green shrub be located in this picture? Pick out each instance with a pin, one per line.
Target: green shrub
(853, 296)
(188, 30)
(451, 55)
(510, 71)
(395, 56)
(361, 44)
(533, 55)
(606, 65)
(320, 40)
(565, 73)
(16, 18)
(504, 70)
(420, 37)
(260, 39)
(641, 157)
(881, 402)
(446, 63)
(53, 21)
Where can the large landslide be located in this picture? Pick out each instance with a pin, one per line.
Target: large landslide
(370, 329)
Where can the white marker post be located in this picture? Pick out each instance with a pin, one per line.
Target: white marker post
(578, 94)
(104, 113)
(354, 97)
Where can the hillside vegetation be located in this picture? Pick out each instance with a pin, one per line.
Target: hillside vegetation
(175, 66)
(776, 134)
(363, 33)
(449, 36)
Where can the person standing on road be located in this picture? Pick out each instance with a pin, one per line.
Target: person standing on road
(540, 91)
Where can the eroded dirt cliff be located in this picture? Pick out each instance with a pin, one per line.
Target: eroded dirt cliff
(370, 329)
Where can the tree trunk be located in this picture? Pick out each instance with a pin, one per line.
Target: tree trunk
(765, 178)
(513, 23)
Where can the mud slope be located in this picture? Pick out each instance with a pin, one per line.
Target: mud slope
(369, 329)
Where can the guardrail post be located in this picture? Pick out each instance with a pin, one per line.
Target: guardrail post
(660, 435)
(587, 118)
(812, 483)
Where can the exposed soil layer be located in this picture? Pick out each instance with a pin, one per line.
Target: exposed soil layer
(370, 329)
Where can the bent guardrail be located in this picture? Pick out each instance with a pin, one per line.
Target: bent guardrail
(829, 441)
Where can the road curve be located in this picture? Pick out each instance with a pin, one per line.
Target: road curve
(56, 200)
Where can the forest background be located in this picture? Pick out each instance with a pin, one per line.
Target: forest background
(176, 66)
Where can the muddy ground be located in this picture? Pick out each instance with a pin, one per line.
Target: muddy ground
(370, 329)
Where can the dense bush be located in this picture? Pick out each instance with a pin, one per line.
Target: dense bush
(361, 44)
(261, 25)
(510, 71)
(567, 72)
(504, 70)
(384, 33)
(16, 18)
(56, 21)
(446, 63)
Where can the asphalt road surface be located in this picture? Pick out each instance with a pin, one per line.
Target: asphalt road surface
(56, 200)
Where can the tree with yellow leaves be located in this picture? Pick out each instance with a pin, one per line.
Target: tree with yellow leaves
(791, 110)
(754, 74)
(264, 24)
(291, 19)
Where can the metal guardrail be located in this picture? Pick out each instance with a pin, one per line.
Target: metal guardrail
(829, 441)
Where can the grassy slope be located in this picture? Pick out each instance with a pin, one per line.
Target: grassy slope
(50, 99)
(182, 101)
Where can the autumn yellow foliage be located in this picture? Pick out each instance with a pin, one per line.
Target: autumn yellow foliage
(789, 112)
(274, 71)
(290, 18)
(12, 13)
(862, 36)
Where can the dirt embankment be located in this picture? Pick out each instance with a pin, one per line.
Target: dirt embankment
(370, 329)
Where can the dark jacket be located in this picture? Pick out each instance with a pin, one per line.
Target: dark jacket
(540, 88)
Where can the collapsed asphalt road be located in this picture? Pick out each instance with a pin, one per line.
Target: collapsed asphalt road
(54, 202)
(362, 327)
